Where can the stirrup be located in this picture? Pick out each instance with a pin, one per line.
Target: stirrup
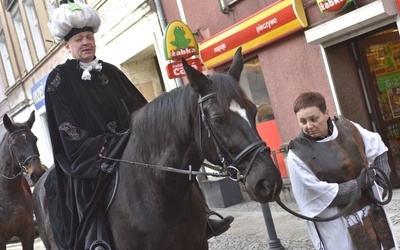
(211, 213)
(99, 245)
(213, 232)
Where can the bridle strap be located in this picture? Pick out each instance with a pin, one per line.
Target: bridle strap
(260, 144)
(22, 165)
(210, 132)
(247, 150)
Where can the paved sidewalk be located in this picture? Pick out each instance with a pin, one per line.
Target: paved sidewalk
(249, 231)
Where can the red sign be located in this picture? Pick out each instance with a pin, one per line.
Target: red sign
(333, 5)
(264, 27)
(398, 5)
(176, 70)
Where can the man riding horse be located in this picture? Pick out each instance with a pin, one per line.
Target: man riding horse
(89, 104)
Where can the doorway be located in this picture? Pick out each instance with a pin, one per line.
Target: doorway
(379, 54)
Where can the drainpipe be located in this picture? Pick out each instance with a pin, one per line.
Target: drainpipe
(163, 22)
(160, 14)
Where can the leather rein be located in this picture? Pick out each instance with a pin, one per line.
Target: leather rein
(349, 206)
(22, 165)
(226, 169)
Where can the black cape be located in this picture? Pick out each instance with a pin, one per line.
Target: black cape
(83, 116)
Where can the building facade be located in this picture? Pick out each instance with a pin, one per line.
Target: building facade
(347, 50)
(130, 37)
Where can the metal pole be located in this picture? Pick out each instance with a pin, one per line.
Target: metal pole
(274, 241)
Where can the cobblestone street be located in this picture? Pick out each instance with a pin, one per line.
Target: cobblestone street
(249, 232)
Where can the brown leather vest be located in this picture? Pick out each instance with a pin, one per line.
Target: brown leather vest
(335, 161)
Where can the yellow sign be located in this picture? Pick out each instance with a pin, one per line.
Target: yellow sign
(179, 41)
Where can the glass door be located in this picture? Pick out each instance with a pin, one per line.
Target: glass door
(380, 60)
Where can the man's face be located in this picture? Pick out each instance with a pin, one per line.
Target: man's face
(82, 46)
(313, 121)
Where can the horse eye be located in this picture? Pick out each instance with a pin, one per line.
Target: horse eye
(218, 120)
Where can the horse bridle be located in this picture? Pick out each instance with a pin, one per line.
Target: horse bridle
(22, 165)
(230, 167)
(227, 169)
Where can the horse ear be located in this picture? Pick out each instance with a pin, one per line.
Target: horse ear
(31, 119)
(7, 122)
(198, 81)
(237, 65)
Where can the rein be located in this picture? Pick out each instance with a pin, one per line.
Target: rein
(189, 172)
(22, 165)
(348, 206)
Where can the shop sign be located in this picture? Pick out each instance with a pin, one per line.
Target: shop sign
(388, 81)
(333, 5)
(179, 41)
(266, 26)
(37, 92)
(176, 69)
(398, 5)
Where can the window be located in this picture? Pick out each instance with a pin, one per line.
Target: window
(35, 29)
(51, 6)
(22, 41)
(5, 57)
(252, 82)
(2, 90)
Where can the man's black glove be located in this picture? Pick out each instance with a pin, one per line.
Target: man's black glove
(366, 178)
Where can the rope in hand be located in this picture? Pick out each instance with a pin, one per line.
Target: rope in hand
(348, 207)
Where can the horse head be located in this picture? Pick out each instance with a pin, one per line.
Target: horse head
(23, 149)
(228, 134)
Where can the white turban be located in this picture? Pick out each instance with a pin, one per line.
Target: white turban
(72, 17)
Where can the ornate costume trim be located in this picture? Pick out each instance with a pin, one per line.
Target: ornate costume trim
(70, 130)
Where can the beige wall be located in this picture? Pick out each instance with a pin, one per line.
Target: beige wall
(144, 76)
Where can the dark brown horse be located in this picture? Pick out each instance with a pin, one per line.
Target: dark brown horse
(156, 204)
(19, 155)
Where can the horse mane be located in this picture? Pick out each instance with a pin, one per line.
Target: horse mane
(172, 115)
(157, 116)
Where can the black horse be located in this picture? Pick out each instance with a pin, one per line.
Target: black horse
(156, 207)
(19, 155)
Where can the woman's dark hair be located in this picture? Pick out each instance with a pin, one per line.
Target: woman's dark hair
(309, 99)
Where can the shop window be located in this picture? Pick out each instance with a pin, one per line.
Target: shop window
(35, 29)
(22, 41)
(252, 82)
(5, 57)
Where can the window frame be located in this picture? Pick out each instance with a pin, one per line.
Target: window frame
(22, 40)
(35, 28)
(5, 57)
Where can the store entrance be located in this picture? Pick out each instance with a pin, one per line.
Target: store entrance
(380, 66)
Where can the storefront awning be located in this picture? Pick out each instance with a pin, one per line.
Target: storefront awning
(266, 26)
(355, 23)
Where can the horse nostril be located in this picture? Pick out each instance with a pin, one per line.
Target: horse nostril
(263, 189)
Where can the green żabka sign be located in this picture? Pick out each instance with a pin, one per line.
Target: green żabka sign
(388, 81)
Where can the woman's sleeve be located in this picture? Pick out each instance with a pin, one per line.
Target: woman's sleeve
(312, 195)
(373, 143)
